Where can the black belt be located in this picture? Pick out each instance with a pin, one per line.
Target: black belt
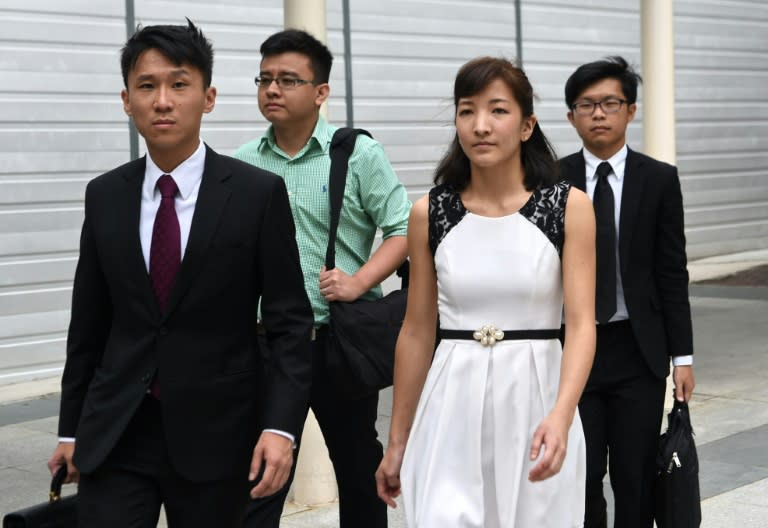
(318, 331)
(508, 334)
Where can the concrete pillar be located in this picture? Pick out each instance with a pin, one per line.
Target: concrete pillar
(658, 57)
(314, 482)
(309, 15)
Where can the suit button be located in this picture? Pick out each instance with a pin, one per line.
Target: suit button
(163, 331)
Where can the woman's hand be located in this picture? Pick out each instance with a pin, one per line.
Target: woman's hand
(551, 437)
(388, 475)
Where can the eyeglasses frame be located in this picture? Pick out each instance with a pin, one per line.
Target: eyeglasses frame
(595, 104)
(279, 81)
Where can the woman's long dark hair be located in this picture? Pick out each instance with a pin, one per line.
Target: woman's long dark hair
(537, 155)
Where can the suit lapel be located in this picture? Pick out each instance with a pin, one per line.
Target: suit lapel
(631, 196)
(576, 170)
(211, 199)
(128, 211)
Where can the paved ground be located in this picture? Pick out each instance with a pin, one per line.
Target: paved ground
(729, 412)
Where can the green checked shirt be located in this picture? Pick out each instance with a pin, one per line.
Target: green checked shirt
(373, 197)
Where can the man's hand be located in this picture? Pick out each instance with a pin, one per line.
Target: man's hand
(682, 376)
(276, 453)
(63, 455)
(335, 285)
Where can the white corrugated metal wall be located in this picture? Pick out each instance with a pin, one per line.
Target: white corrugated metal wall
(61, 121)
(60, 125)
(721, 79)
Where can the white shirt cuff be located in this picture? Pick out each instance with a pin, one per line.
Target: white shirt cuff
(67, 439)
(682, 361)
(289, 436)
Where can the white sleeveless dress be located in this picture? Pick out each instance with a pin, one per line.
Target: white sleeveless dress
(467, 460)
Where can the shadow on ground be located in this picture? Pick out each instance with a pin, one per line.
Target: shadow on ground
(757, 276)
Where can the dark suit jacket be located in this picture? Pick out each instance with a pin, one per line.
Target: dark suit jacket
(241, 248)
(652, 256)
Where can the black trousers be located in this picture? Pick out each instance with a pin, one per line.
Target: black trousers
(137, 478)
(621, 411)
(349, 430)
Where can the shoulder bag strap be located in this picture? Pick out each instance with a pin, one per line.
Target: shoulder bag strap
(342, 145)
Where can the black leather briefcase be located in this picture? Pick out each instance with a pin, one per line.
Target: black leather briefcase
(58, 512)
(678, 502)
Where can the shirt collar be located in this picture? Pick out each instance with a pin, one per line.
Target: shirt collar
(617, 162)
(320, 139)
(187, 174)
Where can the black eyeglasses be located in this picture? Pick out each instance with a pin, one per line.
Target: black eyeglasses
(609, 105)
(284, 83)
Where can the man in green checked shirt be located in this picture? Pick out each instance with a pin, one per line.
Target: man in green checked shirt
(292, 85)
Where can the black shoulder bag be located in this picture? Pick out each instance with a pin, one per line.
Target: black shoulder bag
(362, 334)
(678, 502)
(58, 512)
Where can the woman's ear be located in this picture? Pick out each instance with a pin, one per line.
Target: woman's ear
(529, 123)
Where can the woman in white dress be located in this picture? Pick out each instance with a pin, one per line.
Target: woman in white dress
(486, 433)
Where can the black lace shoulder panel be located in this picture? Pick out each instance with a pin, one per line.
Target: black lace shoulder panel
(546, 210)
(445, 211)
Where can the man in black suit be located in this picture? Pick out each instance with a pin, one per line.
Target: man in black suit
(643, 312)
(163, 399)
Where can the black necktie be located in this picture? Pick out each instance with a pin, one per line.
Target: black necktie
(605, 298)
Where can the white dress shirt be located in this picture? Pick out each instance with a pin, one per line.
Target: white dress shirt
(187, 175)
(618, 163)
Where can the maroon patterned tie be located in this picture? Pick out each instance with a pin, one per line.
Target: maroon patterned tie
(165, 251)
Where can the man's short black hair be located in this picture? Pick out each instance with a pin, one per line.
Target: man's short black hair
(609, 68)
(298, 41)
(179, 44)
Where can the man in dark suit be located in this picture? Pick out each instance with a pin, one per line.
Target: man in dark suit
(643, 312)
(163, 399)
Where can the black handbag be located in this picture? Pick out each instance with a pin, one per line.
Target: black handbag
(678, 501)
(360, 357)
(58, 512)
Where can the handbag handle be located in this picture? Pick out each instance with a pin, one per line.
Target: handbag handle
(56, 482)
(681, 414)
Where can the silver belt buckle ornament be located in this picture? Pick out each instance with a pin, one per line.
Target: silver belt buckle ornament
(488, 335)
